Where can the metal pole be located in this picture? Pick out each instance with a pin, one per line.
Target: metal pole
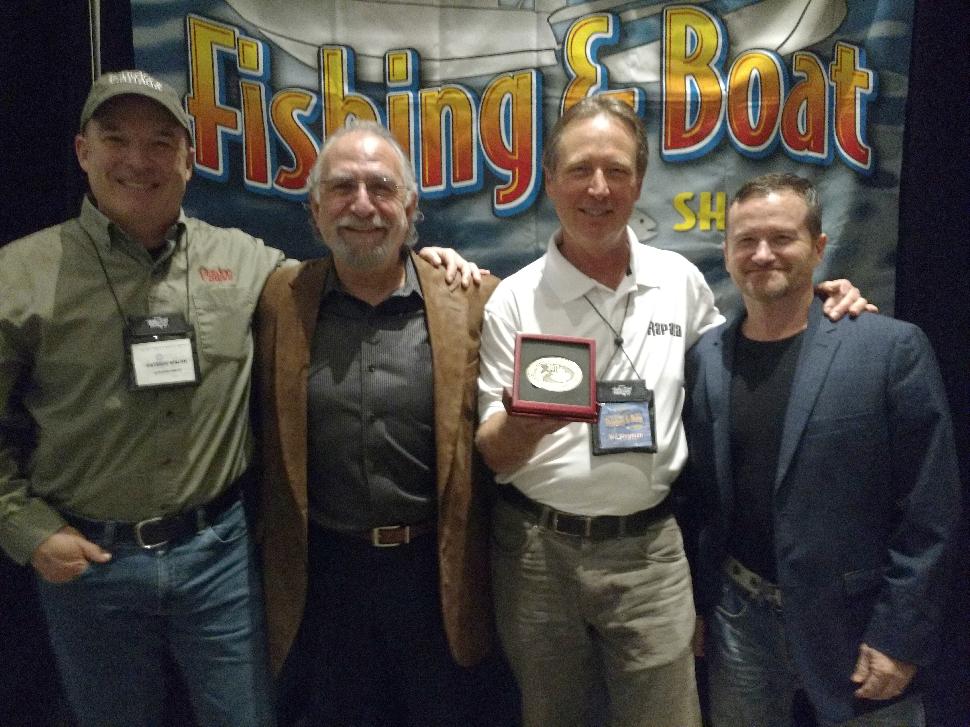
(94, 23)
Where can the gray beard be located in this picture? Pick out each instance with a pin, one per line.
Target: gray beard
(364, 260)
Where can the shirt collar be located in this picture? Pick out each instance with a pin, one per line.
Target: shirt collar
(411, 284)
(568, 283)
(107, 235)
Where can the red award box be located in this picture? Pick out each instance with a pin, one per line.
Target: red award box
(554, 376)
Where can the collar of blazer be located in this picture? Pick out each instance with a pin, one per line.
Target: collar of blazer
(814, 359)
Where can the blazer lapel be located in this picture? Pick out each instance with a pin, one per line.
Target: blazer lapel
(294, 336)
(446, 319)
(814, 360)
(718, 387)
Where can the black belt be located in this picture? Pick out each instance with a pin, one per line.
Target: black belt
(155, 532)
(593, 527)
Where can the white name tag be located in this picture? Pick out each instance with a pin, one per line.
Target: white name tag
(167, 362)
(161, 352)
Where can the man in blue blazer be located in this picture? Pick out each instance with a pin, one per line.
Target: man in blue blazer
(824, 485)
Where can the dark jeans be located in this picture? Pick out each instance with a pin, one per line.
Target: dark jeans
(753, 679)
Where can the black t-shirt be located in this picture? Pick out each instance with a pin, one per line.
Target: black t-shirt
(760, 385)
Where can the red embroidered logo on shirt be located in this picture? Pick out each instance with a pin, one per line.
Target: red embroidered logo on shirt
(216, 275)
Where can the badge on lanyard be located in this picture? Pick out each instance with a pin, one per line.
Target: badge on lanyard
(161, 352)
(626, 418)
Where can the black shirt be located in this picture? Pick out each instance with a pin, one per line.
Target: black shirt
(760, 385)
(371, 448)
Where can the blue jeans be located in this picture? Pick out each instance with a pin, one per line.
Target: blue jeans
(199, 600)
(753, 679)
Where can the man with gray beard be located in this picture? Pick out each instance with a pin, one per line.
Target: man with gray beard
(374, 546)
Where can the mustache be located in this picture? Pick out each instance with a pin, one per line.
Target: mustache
(375, 221)
(762, 268)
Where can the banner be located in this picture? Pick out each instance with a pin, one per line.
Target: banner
(728, 89)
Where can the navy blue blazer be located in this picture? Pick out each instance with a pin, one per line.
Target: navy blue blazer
(866, 494)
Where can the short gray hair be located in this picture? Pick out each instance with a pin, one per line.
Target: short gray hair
(362, 127)
(407, 172)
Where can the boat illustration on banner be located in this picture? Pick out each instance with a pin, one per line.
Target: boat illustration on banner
(455, 40)
(783, 26)
(489, 37)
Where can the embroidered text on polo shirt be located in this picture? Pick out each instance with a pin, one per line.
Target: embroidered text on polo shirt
(665, 329)
(216, 275)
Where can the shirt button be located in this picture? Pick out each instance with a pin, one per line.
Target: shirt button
(371, 368)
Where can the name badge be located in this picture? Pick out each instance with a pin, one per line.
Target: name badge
(161, 352)
(626, 418)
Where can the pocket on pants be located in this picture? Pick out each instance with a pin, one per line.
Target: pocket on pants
(511, 532)
(732, 604)
(663, 544)
(92, 570)
(230, 527)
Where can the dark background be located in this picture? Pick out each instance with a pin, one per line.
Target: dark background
(45, 50)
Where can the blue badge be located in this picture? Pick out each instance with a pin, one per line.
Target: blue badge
(626, 418)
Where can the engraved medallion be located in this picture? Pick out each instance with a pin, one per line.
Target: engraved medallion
(553, 376)
(554, 373)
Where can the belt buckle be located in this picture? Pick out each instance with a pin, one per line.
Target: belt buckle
(767, 594)
(138, 534)
(375, 536)
(771, 595)
(754, 585)
(587, 525)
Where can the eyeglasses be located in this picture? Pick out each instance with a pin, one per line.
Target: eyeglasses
(345, 188)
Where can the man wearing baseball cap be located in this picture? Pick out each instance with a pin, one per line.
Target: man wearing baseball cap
(125, 352)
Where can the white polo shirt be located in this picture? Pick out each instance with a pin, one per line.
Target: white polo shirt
(670, 306)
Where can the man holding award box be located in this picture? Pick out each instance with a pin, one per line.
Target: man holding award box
(592, 589)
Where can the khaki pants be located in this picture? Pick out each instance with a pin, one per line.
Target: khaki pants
(597, 632)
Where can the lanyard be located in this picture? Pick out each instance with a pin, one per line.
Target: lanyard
(617, 334)
(160, 349)
(111, 288)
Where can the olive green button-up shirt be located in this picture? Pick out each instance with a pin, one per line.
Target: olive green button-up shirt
(73, 435)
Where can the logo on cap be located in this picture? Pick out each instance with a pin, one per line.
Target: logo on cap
(139, 77)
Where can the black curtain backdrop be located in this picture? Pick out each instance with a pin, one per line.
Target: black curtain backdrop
(46, 71)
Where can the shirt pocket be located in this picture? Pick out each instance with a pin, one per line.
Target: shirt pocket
(223, 320)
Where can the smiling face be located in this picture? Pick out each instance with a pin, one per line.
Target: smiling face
(138, 160)
(594, 185)
(768, 249)
(362, 208)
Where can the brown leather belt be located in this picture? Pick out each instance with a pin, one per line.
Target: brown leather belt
(390, 536)
(592, 527)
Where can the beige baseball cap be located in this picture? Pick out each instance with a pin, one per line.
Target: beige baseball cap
(135, 82)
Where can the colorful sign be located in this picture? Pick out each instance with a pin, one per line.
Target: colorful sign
(728, 89)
